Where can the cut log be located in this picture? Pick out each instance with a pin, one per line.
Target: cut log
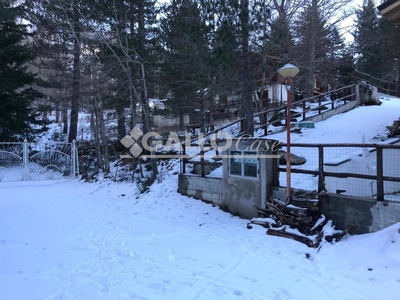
(338, 235)
(291, 217)
(318, 239)
(319, 227)
(290, 209)
(289, 235)
(309, 204)
(265, 224)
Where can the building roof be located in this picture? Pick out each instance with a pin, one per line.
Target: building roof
(391, 11)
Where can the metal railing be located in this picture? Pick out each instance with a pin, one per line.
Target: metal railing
(25, 160)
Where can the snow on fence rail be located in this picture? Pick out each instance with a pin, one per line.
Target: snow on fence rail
(36, 161)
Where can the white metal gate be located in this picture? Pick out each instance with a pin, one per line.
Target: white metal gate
(37, 161)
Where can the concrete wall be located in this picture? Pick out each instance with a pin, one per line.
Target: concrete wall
(237, 195)
(338, 110)
(208, 189)
(240, 194)
(367, 215)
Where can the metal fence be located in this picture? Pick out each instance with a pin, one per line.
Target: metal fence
(37, 161)
(363, 170)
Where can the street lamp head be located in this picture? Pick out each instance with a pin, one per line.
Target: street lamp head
(288, 71)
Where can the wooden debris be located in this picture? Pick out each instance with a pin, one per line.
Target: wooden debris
(339, 235)
(265, 224)
(303, 214)
(289, 235)
(319, 227)
(318, 239)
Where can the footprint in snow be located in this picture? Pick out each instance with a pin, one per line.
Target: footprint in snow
(280, 294)
(248, 278)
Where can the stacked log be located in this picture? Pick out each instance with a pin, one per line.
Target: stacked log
(302, 214)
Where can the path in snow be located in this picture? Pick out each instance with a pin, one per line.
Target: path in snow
(72, 240)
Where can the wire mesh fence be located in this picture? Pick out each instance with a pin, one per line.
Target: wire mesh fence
(363, 170)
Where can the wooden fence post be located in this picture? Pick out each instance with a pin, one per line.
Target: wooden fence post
(321, 177)
(379, 174)
(319, 105)
(266, 123)
(203, 167)
(183, 171)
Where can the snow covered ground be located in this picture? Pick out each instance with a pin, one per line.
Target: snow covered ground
(362, 124)
(74, 240)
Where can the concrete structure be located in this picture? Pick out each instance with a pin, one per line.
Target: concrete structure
(367, 214)
(240, 193)
(250, 166)
(208, 189)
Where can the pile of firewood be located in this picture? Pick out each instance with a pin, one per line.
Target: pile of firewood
(302, 216)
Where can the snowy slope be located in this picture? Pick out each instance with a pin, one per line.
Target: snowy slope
(105, 240)
(73, 240)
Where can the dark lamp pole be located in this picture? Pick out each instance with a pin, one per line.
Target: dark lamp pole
(288, 71)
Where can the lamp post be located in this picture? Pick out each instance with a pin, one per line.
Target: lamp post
(288, 71)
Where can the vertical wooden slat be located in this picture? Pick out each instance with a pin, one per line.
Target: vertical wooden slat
(321, 179)
(203, 167)
(319, 105)
(183, 158)
(379, 174)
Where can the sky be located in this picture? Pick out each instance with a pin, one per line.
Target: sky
(67, 239)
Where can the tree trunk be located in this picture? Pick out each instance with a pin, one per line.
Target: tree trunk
(73, 126)
(103, 139)
(64, 115)
(119, 110)
(247, 101)
(95, 130)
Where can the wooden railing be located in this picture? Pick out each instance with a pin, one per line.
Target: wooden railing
(382, 162)
(384, 86)
(325, 102)
(333, 99)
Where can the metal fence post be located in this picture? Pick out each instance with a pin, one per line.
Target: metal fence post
(25, 159)
(77, 160)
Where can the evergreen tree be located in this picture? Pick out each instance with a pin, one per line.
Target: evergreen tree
(345, 67)
(389, 41)
(18, 116)
(185, 61)
(317, 43)
(366, 39)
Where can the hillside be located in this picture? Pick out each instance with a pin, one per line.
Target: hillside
(105, 240)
